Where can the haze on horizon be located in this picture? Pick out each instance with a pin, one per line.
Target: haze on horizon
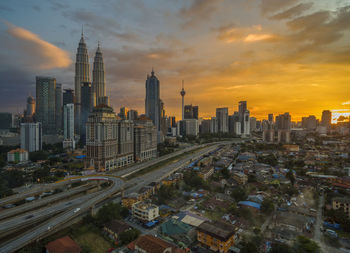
(279, 55)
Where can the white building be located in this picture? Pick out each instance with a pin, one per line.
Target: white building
(17, 155)
(68, 126)
(189, 127)
(31, 136)
(145, 211)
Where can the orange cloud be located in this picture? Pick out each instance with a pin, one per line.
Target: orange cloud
(50, 56)
(258, 37)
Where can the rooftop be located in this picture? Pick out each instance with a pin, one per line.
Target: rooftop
(63, 245)
(220, 230)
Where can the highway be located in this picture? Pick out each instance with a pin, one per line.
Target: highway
(38, 203)
(64, 211)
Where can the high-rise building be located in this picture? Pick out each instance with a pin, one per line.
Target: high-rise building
(145, 139)
(189, 127)
(68, 96)
(214, 125)
(152, 101)
(309, 123)
(98, 77)
(82, 74)
(31, 136)
(204, 127)
(183, 93)
(5, 120)
(222, 119)
(87, 103)
(58, 106)
(253, 127)
(246, 123)
(242, 108)
(191, 112)
(46, 103)
(270, 117)
(283, 126)
(123, 112)
(326, 118)
(132, 115)
(30, 106)
(68, 126)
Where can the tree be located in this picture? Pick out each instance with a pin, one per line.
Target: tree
(249, 247)
(239, 193)
(128, 236)
(110, 212)
(192, 179)
(290, 176)
(14, 178)
(166, 193)
(305, 245)
(38, 155)
(225, 172)
(267, 206)
(280, 247)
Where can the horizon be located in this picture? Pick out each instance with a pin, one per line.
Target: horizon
(279, 56)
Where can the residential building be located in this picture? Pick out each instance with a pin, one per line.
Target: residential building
(132, 115)
(240, 178)
(46, 103)
(115, 228)
(218, 236)
(145, 139)
(17, 155)
(145, 211)
(342, 204)
(31, 136)
(125, 143)
(253, 127)
(246, 123)
(189, 127)
(309, 123)
(151, 244)
(63, 245)
(326, 118)
(222, 119)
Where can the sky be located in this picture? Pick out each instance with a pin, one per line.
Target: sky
(279, 55)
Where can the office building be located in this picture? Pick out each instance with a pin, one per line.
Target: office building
(191, 112)
(68, 126)
(31, 136)
(204, 127)
(189, 127)
(246, 123)
(123, 112)
(282, 126)
(98, 77)
(68, 96)
(102, 139)
(309, 123)
(82, 74)
(326, 119)
(222, 119)
(253, 126)
(46, 103)
(270, 118)
(58, 106)
(145, 139)
(132, 115)
(5, 120)
(125, 143)
(242, 111)
(30, 107)
(87, 103)
(152, 101)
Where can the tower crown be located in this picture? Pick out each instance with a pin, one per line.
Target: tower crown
(183, 92)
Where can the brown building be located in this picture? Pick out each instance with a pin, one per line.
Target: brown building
(342, 203)
(145, 139)
(115, 227)
(218, 237)
(151, 244)
(63, 245)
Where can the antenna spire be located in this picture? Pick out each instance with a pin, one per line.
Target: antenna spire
(82, 30)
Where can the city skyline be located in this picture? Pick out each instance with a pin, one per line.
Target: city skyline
(308, 79)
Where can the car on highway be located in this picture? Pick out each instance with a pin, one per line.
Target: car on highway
(48, 228)
(76, 210)
(29, 216)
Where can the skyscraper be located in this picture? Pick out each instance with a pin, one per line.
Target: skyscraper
(5, 120)
(191, 112)
(46, 103)
(31, 136)
(270, 117)
(183, 93)
(222, 118)
(58, 106)
(132, 115)
(152, 101)
(98, 77)
(242, 107)
(82, 74)
(68, 96)
(327, 118)
(30, 106)
(68, 126)
(86, 105)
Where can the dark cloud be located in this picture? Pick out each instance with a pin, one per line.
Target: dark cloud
(292, 12)
(199, 11)
(5, 8)
(272, 6)
(100, 25)
(58, 5)
(37, 8)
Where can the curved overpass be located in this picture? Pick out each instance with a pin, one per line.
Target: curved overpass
(64, 217)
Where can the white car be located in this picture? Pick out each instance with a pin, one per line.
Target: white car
(76, 210)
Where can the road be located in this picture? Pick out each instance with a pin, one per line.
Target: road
(85, 203)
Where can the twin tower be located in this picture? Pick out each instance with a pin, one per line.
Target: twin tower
(82, 75)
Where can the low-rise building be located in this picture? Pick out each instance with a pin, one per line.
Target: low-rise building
(17, 155)
(342, 203)
(62, 245)
(130, 199)
(151, 244)
(218, 237)
(240, 178)
(145, 211)
(116, 227)
(205, 173)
